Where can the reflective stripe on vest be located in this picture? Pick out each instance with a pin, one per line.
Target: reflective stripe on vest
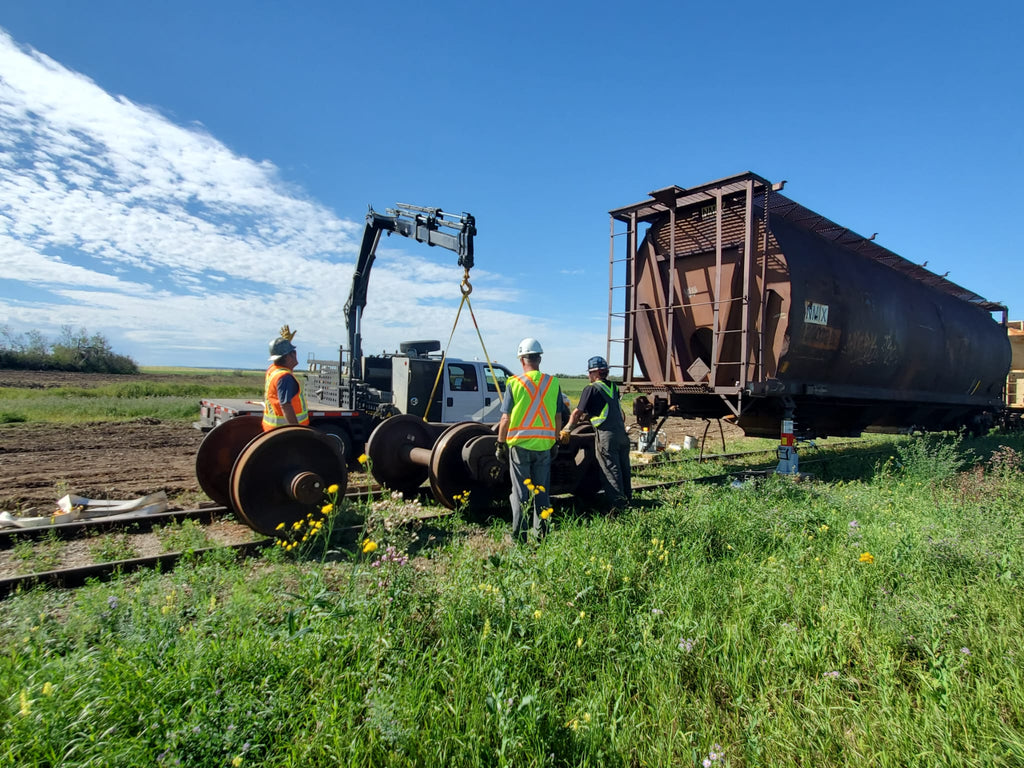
(273, 414)
(609, 392)
(531, 422)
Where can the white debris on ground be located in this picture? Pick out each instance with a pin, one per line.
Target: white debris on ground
(72, 508)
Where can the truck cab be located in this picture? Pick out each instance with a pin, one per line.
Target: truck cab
(403, 382)
(467, 391)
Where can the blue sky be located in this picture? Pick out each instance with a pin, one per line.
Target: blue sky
(186, 177)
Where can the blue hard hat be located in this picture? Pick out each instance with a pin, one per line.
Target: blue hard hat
(597, 364)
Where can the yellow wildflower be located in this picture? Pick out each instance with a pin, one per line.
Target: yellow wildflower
(537, 614)
(546, 513)
(332, 488)
(539, 489)
(26, 703)
(369, 546)
(487, 627)
(47, 688)
(280, 527)
(326, 508)
(579, 642)
(237, 761)
(363, 458)
(867, 557)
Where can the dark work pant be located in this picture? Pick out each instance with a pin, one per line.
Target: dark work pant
(613, 456)
(534, 466)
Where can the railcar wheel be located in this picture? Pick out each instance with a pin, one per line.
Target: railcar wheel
(341, 437)
(399, 451)
(463, 460)
(218, 452)
(587, 472)
(283, 475)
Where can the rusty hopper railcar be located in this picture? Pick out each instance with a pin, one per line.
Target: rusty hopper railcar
(739, 302)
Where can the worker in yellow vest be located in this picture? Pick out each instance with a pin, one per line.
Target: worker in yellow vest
(283, 401)
(527, 438)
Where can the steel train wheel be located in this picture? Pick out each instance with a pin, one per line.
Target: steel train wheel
(588, 482)
(463, 460)
(398, 450)
(218, 451)
(283, 475)
(339, 435)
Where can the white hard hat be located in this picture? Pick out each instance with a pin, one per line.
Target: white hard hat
(529, 347)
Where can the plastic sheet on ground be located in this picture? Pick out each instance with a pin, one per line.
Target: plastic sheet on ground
(72, 508)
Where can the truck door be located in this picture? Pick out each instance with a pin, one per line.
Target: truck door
(463, 395)
(492, 397)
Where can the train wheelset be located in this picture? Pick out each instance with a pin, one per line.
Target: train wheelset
(270, 478)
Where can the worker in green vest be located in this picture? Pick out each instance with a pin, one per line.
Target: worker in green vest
(600, 402)
(528, 437)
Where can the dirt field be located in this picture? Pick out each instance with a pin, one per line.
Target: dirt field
(39, 463)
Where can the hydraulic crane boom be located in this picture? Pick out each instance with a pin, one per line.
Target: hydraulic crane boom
(426, 225)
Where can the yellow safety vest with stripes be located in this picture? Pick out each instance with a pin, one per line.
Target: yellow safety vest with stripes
(609, 390)
(534, 405)
(273, 414)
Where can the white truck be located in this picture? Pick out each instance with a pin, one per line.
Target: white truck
(349, 396)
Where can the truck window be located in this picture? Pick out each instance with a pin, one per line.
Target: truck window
(502, 375)
(462, 378)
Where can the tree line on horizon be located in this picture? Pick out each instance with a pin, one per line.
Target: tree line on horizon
(74, 350)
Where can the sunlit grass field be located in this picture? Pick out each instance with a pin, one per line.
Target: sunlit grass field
(173, 397)
(130, 397)
(870, 615)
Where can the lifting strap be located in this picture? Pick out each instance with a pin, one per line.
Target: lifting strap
(465, 288)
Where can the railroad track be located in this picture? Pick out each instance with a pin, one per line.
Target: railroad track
(80, 575)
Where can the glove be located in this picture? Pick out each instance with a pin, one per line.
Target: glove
(501, 452)
(563, 437)
(554, 451)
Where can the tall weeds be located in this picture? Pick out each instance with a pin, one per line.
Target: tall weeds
(874, 620)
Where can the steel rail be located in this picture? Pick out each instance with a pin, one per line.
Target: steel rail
(736, 455)
(80, 575)
(144, 523)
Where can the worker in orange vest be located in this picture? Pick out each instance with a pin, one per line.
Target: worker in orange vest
(283, 401)
(527, 434)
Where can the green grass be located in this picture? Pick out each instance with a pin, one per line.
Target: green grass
(167, 400)
(210, 372)
(871, 616)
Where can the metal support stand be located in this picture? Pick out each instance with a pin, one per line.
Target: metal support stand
(789, 461)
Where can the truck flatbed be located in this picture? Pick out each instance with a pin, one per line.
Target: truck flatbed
(213, 411)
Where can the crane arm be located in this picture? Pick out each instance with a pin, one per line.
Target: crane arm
(426, 225)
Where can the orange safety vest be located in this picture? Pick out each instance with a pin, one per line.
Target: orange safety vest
(273, 414)
(534, 405)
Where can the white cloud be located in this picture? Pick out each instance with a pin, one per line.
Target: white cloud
(157, 235)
